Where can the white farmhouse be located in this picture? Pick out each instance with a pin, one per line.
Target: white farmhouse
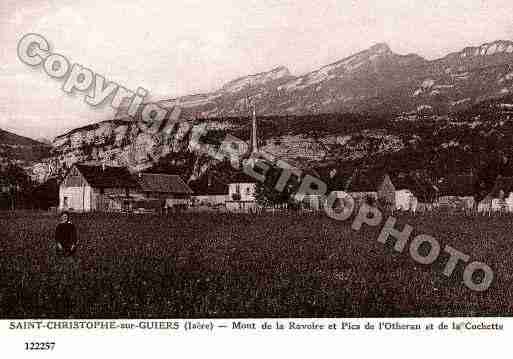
(502, 195)
(404, 199)
(96, 188)
(242, 191)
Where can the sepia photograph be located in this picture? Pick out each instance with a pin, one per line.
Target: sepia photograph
(255, 159)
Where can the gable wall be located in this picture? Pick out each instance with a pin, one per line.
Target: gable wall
(74, 179)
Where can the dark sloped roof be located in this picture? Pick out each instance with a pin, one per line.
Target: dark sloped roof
(150, 203)
(107, 177)
(366, 183)
(458, 185)
(162, 183)
(355, 181)
(420, 186)
(209, 186)
(241, 177)
(334, 179)
(502, 183)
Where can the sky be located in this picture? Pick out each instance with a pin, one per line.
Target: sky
(181, 47)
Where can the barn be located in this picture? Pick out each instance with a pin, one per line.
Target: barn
(88, 188)
(168, 190)
(360, 185)
(97, 188)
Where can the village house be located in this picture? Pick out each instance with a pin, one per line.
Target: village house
(209, 191)
(380, 188)
(312, 202)
(88, 188)
(162, 190)
(500, 198)
(97, 188)
(241, 193)
(361, 187)
(457, 192)
(405, 200)
(414, 192)
(5, 187)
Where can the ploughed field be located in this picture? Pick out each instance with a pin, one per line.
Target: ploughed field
(241, 265)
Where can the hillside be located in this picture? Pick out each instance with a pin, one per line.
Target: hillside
(435, 146)
(21, 150)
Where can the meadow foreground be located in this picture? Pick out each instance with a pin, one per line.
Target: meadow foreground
(235, 265)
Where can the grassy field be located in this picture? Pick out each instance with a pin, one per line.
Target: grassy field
(226, 265)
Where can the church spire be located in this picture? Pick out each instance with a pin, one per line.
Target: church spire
(254, 143)
(251, 106)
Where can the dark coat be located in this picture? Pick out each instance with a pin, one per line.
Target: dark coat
(66, 236)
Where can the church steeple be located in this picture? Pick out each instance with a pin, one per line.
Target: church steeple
(254, 143)
(251, 106)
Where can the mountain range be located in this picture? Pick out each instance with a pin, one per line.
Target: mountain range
(407, 113)
(375, 80)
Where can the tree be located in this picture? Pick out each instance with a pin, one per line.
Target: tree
(46, 195)
(498, 164)
(266, 193)
(16, 186)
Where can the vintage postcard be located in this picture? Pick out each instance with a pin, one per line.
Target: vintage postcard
(325, 169)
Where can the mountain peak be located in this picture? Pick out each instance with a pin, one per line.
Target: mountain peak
(258, 79)
(381, 47)
(282, 69)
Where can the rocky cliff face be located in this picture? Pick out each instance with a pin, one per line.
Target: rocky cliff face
(117, 143)
(122, 143)
(439, 145)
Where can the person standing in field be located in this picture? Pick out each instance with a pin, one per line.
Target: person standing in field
(64, 263)
(66, 238)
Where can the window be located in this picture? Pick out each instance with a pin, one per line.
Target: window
(65, 203)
